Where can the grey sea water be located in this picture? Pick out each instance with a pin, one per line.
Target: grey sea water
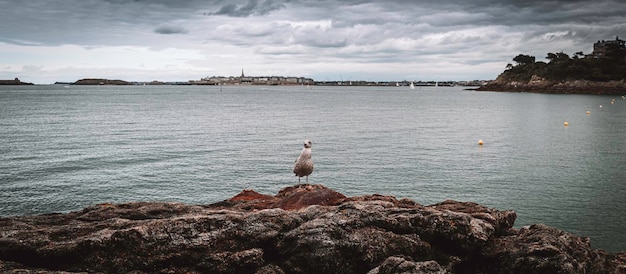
(65, 148)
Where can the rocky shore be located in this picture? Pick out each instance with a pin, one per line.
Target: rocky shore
(540, 85)
(302, 229)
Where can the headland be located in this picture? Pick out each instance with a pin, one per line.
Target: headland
(15, 81)
(537, 84)
(601, 72)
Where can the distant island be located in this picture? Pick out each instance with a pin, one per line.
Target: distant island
(95, 81)
(15, 81)
(601, 72)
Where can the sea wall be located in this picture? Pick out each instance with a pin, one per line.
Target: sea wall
(302, 229)
(540, 85)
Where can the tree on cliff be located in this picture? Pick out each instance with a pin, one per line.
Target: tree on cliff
(524, 68)
(562, 67)
(558, 57)
(524, 59)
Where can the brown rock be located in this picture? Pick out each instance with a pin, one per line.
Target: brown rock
(300, 196)
(303, 229)
(540, 85)
(397, 265)
(289, 198)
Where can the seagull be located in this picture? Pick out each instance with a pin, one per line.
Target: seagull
(304, 163)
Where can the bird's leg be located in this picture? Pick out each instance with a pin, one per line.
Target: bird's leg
(307, 178)
(298, 179)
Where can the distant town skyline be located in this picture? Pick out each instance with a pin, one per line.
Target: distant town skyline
(326, 40)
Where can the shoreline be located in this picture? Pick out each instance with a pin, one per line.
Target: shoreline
(539, 85)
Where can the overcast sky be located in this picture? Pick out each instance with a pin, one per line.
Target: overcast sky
(179, 40)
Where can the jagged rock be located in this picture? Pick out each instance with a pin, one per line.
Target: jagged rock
(302, 229)
(289, 198)
(397, 265)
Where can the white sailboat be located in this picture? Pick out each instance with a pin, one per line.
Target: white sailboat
(412, 86)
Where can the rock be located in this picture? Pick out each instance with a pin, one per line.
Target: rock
(397, 265)
(289, 198)
(302, 229)
(538, 84)
(543, 249)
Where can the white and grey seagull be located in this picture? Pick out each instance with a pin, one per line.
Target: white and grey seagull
(304, 163)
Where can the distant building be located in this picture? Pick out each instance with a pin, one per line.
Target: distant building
(602, 48)
(254, 80)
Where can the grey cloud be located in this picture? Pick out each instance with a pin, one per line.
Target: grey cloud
(91, 22)
(368, 24)
(228, 9)
(167, 29)
(170, 4)
(252, 7)
(325, 42)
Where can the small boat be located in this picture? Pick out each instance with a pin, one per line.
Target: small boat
(412, 86)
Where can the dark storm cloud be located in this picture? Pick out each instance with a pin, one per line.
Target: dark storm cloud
(73, 21)
(315, 33)
(83, 22)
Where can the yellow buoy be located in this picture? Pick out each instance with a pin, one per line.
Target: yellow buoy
(480, 142)
(566, 123)
(588, 112)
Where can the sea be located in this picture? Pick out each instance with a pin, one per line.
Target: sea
(63, 148)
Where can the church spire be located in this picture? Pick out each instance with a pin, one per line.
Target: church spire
(242, 73)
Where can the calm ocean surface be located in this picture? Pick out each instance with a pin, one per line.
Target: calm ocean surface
(62, 149)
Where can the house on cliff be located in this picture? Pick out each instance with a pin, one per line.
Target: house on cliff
(603, 49)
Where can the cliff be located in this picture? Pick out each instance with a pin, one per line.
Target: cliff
(90, 81)
(594, 73)
(302, 229)
(538, 84)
